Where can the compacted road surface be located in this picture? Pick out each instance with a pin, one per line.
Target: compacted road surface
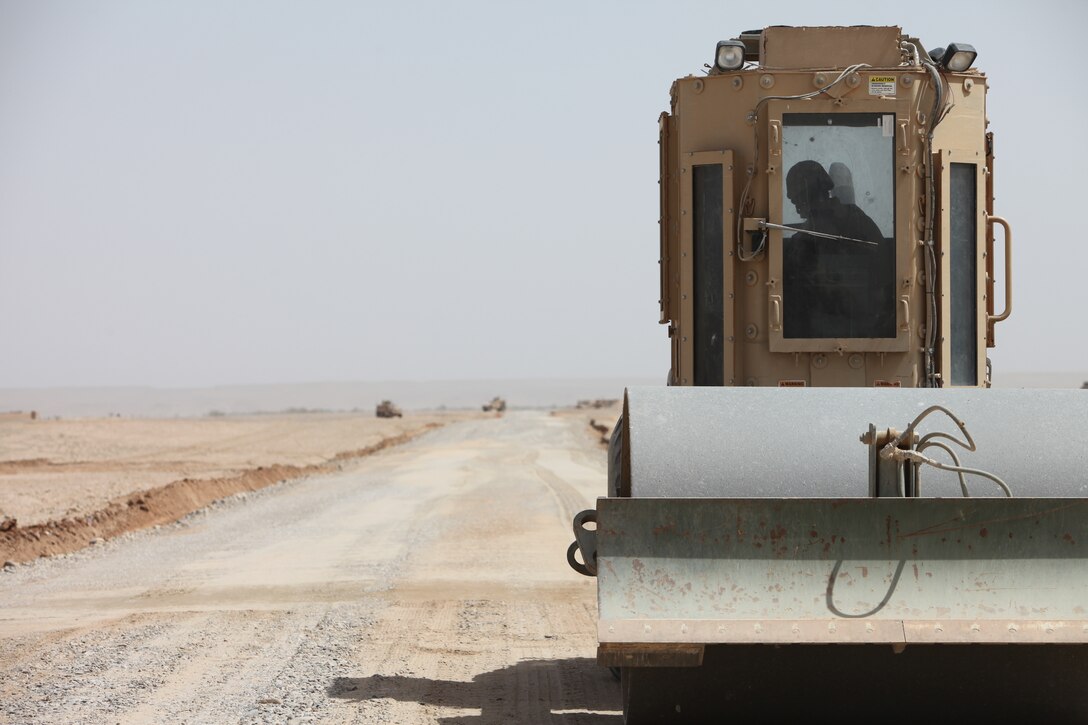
(424, 584)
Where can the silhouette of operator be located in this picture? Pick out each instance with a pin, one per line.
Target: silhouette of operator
(838, 267)
(808, 186)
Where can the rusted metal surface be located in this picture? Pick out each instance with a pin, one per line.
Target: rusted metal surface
(650, 655)
(846, 570)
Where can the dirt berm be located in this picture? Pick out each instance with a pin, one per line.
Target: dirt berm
(67, 484)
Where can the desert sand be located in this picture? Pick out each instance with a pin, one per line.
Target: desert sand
(68, 483)
(426, 583)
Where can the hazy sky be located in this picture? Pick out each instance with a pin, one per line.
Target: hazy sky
(198, 193)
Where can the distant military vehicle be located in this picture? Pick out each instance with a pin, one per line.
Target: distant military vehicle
(497, 404)
(386, 409)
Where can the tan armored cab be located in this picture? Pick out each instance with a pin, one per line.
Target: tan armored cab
(826, 514)
(827, 216)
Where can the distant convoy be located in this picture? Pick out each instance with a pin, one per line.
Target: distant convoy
(387, 409)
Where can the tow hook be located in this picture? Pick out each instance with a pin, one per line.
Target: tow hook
(585, 542)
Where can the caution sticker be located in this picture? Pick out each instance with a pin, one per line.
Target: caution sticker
(887, 383)
(791, 384)
(881, 85)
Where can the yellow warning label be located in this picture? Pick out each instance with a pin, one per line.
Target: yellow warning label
(791, 383)
(881, 85)
(887, 383)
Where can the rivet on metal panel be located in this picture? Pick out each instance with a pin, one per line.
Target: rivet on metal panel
(853, 80)
(731, 338)
(683, 339)
(721, 627)
(868, 628)
(766, 81)
(1012, 629)
(831, 628)
(1049, 628)
(758, 628)
(751, 332)
(819, 361)
(611, 628)
(737, 83)
(968, 85)
(683, 629)
(938, 628)
(975, 627)
(730, 295)
(647, 628)
(751, 278)
(819, 80)
(906, 81)
(697, 86)
(856, 361)
(796, 630)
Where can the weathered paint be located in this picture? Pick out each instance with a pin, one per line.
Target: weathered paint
(851, 570)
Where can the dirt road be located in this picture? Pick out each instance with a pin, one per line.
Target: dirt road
(424, 584)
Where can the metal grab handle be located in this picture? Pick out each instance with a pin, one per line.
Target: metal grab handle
(776, 313)
(585, 542)
(1008, 267)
